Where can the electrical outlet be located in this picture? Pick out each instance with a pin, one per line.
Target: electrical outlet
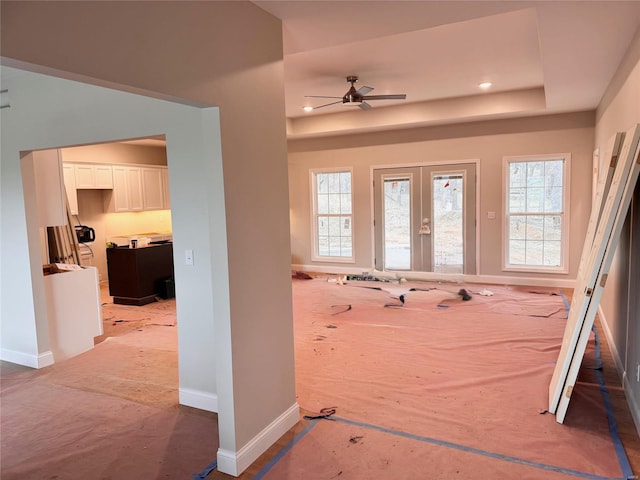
(188, 257)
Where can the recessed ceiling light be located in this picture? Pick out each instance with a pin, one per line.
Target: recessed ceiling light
(485, 85)
(307, 108)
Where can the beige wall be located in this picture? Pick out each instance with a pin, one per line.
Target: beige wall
(620, 307)
(488, 142)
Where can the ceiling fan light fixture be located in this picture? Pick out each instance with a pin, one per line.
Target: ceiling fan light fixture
(485, 85)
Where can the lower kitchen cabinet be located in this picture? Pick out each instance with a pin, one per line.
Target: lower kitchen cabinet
(73, 311)
(138, 275)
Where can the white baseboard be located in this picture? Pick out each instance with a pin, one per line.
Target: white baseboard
(26, 359)
(446, 277)
(634, 407)
(198, 399)
(234, 463)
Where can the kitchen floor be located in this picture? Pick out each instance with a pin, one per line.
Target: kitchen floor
(119, 320)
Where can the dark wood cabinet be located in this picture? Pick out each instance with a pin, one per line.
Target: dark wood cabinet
(137, 275)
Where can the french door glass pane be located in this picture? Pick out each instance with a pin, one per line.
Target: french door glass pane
(397, 224)
(448, 223)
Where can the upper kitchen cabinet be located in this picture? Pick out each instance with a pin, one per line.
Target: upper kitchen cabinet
(152, 188)
(166, 204)
(83, 176)
(131, 178)
(127, 190)
(93, 176)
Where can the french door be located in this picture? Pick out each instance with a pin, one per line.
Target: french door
(425, 218)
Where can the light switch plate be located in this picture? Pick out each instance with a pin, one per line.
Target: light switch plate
(188, 257)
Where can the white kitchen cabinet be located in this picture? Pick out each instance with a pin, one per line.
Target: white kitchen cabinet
(93, 176)
(127, 190)
(166, 199)
(73, 311)
(69, 175)
(134, 185)
(119, 201)
(152, 188)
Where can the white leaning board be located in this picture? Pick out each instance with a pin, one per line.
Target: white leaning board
(603, 186)
(593, 273)
(580, 301)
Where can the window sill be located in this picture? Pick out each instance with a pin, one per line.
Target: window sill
(525, 269)
(333, 259)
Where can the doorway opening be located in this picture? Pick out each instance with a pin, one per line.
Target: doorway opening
(82, 313)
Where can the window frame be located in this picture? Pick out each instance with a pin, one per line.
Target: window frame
(563, 268)
(315, 254)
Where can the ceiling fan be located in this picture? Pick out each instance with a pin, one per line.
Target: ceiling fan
(357, 98)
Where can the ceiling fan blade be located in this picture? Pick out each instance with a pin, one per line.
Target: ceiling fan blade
(401, 96)
(327, 104)
(364, 90)
(364, 106)
(318, 96)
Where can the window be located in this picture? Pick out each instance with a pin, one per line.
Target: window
(537, 219)
(332, 215)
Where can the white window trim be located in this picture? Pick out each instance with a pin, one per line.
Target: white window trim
(564, 242)
(315, 256)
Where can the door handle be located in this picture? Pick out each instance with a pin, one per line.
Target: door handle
(425, 229)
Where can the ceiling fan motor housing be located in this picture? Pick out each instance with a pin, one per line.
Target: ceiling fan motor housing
(352, 96)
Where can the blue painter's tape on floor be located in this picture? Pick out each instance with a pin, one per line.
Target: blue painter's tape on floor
(284, 451)
(566, 302)
(203, 474)
(598, 354)
(623, 460)
(464, 448)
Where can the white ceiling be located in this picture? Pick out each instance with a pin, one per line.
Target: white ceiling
(542, 57)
